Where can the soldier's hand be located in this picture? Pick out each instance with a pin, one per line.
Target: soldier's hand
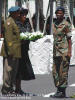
(69, 54)
(66, 30)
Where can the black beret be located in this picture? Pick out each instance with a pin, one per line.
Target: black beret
(60, 8)
(23, 11)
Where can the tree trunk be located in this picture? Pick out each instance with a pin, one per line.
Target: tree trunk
(38, 10)
(71, 8)
(0, 14)
(51, 15)
(18, 3)
(6, 9)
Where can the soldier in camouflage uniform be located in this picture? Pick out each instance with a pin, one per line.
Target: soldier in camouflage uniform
(11, 51)
(61, 52)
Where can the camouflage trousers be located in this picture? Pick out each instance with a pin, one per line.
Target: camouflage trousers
(60, 71)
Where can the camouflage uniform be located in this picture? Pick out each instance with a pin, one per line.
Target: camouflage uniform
(60, 49)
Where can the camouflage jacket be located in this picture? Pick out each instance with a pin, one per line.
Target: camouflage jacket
(60, 37)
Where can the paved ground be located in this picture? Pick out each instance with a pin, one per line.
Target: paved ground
(42, 87)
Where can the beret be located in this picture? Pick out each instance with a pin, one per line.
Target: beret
(23, 11)
(14, 9)
(60, 8)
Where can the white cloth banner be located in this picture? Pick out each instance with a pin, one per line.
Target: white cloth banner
(41, 53)
(1, 65)
(72, 61)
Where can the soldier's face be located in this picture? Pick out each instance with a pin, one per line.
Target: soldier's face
(17, 14)
(60, 15)
(23, 17)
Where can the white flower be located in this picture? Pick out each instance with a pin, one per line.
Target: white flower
(31, 36)
(22, 34)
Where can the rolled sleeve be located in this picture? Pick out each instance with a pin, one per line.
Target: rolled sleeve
(69, 34)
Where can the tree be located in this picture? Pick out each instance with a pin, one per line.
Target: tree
(0, 14)
(51, 15)
(19, 3)
(38, 10)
